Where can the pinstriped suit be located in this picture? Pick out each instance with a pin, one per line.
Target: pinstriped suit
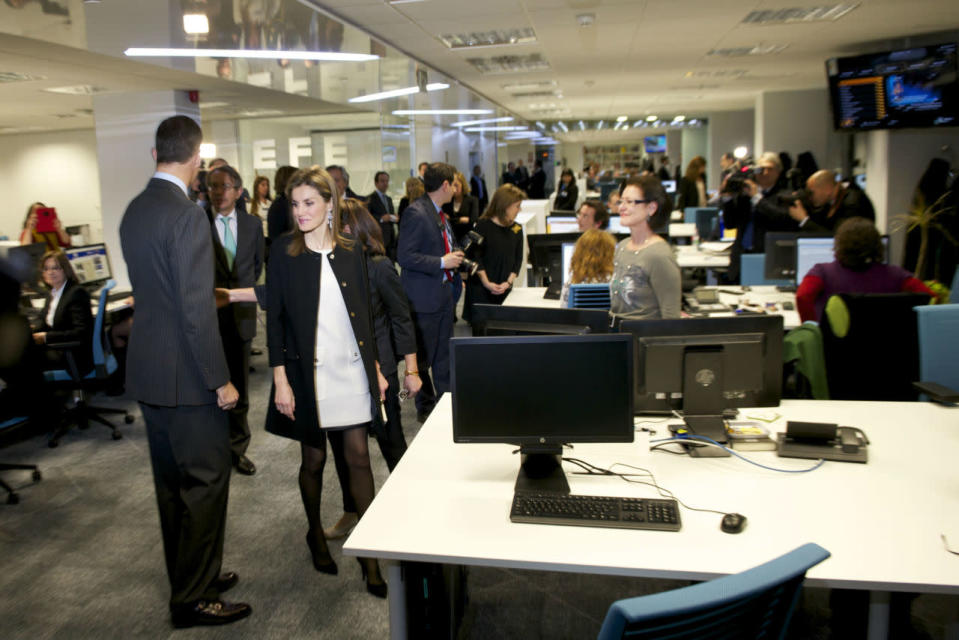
(175, 364)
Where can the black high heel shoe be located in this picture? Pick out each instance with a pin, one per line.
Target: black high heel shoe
(322, 561)
(377, 589)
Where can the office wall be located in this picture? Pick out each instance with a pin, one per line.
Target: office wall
(57, 168)
(797, 121)
(695, 143)
(727, 130)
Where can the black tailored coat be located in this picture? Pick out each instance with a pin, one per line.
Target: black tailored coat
(475, 184)
(389, 229)
(239, 318)
(395, 336)
(72, 321)
(469, 208)
(293, 290)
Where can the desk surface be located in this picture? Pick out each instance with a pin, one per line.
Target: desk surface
(881, 521)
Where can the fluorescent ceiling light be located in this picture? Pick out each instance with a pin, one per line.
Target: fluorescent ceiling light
(528, 86)
(600, 125)
(77, 90)
(196, 23)
(470, 123)
(495, 38)
(622, 119)
(15, 76)
(562, 125)
(442, 112)
(825, 13)
(405, 1)
(326, 56)
(207, 150)
(679, 118)
(755, 50)
(651, 118)
(510, 64)
(395, 93)
(486, 129)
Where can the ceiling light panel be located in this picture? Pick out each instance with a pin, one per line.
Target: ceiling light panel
(509, 64)
(754, 50)
(77, 90)
(528, 86)
(556, 93)
(790, 15)
(13, 76)
(495, 38)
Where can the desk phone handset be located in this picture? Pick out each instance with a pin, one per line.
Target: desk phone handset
(825, 440)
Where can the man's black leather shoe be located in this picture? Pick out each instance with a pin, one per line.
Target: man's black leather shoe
(245, 466)
(210, 612)
(226, 581)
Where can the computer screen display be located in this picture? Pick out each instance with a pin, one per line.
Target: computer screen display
(655, 144)
(529, 391)
(507, 320)
(615, 226)
(669, 186)
(567, 260)
(546, 257)
(562, 224)
(91, 263)
(812, 251)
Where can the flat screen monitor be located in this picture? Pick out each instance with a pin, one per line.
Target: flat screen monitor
(607, 187)
(562, 224)
(504, 320)
(669, 186)
(812, 251)
(655, 144)
(526, 391)
(915, 87)
(705, 366)
(780, 260)
(91, 263)
(568, 248)
(616, 227)
(546, 258)
(25, 262)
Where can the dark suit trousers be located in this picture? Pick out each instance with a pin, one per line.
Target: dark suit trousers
(433, 333)
(237, 353)
(190, 455)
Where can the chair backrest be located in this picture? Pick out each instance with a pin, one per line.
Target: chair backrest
(938, 327)
(757, 603)
(871, 345)
(99, 355)
(589, 296)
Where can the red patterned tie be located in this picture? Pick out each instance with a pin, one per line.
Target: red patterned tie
(446, 244)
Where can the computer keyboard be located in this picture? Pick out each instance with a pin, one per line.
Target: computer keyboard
(595, 511)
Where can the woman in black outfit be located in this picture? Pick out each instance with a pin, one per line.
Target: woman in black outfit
(501, 254)
(320, 336)
(66, 314)
(567, 192)
(692, 187)
(395, 337)
(463, 209)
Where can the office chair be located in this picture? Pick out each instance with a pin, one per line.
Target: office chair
(871, 345)
(757, 603)
(589, 296)
(752, 270)
(12, 497)
(938, 327)
(104, 364)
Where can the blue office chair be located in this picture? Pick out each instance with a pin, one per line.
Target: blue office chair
(938, 347)
(752, 269)
(757, 603)
(589, 296)
(12, 497)
(104, 364)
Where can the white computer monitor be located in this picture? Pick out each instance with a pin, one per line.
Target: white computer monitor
(567, 260)
(812, 251)
(615, 226)
(90, 262)
(562, 224)
(669, 186)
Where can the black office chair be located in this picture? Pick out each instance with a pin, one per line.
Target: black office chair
(12, 497)
(871, 345)
(104, 364)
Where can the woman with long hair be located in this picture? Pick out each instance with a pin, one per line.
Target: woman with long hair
(500, 257)
(566, 192)
(463, 209)
(29, 235)
(414, 190)
(261, 200)
(692, 186)
(592, 261)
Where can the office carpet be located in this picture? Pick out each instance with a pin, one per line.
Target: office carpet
(81, 555)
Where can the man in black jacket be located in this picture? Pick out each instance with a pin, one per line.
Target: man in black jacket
(380, 206)
(537, 182)
(478, 188)
(832, 203)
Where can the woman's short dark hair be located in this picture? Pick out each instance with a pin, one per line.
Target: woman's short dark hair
(177, 139)
(653, 191)
(61, 258)
(363, 226)
(858, 244)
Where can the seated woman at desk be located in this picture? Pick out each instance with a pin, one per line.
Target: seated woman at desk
(567, 192)
(646, 282)
(858, 268)
(592, 261)
(54, 239)
(66, 314)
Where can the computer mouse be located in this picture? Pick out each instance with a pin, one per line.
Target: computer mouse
(733, 523)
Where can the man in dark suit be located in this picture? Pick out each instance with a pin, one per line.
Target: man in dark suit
(429, 264)
(178, 373)
(380, 206)
(478, 187)
(342, 179)
(238, 248)
(832, 202)
(537, 182)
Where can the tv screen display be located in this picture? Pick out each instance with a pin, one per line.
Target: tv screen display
(914, 87)
(655, 144)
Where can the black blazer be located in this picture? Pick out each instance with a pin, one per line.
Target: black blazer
(468, 209)
(395, 336)
(293, 290)
(566, 197)
(482, 195)
(72, 321)
(175, 356)
(279, 220)
(239, 319)
(420, 249)
(375, 206)
(537, 185)
(687, 195)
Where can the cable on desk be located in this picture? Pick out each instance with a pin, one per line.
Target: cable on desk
(712, 443)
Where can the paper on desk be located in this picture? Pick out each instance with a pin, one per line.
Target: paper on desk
(715, 247)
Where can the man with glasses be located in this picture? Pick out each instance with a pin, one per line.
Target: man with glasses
(238, 248)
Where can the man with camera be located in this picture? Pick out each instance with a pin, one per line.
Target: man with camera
(830, 202)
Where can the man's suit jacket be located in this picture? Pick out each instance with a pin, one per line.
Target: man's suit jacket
(376, 208)
(420, 249)
(239, 318)
(475, 184)
(175, 355)
(537, 185)
(72, 321)
(279, 220)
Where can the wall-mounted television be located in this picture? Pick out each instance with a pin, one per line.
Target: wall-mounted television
(655, 144)
(915, 87)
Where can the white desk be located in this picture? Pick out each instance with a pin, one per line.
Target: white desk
(449, 503)
(759, 298)
(690, 256)
(530, 297)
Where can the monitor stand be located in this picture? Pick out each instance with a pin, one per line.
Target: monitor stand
(541, 470)
(703, 399)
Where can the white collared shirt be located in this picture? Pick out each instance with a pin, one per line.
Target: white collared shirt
(169, 177)
(219, 226)
(55, 296)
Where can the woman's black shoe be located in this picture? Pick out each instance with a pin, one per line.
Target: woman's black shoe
(322, 561)
(377, 589)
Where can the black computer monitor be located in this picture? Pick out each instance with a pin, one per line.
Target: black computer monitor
(502, 320)
(705, 366)
(91, 264)
(780, 248)
(528, 391)
(26, 263)
(546, 257)
(812, 250)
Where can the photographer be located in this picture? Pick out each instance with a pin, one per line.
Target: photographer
(501, 255)
(830, 202)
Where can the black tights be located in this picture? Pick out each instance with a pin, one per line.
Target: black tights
(356, 450)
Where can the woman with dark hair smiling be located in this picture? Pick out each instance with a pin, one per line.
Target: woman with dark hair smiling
(646, 281)
(858, 268)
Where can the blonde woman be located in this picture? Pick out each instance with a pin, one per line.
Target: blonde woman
(463, 209)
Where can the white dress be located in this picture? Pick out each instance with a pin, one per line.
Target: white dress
(342, 388)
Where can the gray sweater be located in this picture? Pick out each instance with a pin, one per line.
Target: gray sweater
(647, 283)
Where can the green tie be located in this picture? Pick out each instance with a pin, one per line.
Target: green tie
(229, 242)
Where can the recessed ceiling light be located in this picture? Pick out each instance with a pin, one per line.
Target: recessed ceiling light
(509, 64)
(13, 76)
(207, 150)
(754, 50)
(495, 38)
(651, 118)
(824, 13)
(196, 23)
(562, 125)
(622, 119)
(679, 118)
(528, 86)
(261, 54)
(487, 129)
(740, 152)
(442, 112)
(395, 93)
(77, 90)
(470, 123)
(213, 105)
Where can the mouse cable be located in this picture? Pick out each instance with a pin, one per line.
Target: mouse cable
(593, 470)
(712, 443)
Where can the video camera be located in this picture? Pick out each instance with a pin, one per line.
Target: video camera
(736, 181)
(470, 242)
